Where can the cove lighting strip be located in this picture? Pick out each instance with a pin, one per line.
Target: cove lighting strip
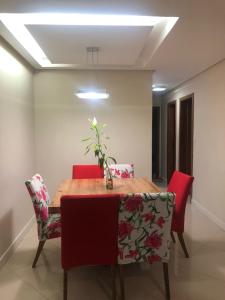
(20, 32)
(15, 23)
(82, 19)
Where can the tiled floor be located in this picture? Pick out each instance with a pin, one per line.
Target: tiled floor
(202, 277)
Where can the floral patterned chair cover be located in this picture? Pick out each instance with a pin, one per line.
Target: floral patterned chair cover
(122, 170)
(49, 225)
(144, 227)
(144, 231)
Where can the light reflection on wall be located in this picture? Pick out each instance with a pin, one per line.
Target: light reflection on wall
(9, 64)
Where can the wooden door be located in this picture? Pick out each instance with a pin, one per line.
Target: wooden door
(171, 139)
(186, 134)
(155, 141)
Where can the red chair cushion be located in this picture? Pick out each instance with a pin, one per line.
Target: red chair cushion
(87, 171)
(89, 230)
(180, 184)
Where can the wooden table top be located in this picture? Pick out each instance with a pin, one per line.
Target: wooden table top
(97, 186)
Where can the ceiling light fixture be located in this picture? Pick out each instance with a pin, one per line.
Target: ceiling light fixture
(158, 88)
(92, 94)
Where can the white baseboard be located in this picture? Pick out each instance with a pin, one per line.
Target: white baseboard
(15, 243)
(209, 214)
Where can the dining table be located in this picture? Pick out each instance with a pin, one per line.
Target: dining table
(98, 187)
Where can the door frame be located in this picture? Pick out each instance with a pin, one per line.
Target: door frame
(174, 102)
(190, 96)
(158, 108)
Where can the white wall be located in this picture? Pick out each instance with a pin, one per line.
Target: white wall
(16, 144)
(209, 138)
(62, 120)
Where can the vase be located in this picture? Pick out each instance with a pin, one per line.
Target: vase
(109, 183)
(109, 179)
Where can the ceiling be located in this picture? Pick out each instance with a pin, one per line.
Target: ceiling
(195, 43)
(118, 46)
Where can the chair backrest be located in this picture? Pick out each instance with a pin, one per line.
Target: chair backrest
(40, 199)
(87, 171)
(89, 230)
(122, 170)
(180, 184)
(144, 227)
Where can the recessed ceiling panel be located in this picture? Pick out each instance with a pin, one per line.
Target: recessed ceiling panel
(67, 44)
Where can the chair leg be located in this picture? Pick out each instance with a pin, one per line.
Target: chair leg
(166, 280)
(65, 283)
(113, 270)
(122, 288)
(181, 239)
(39, 249)
(172, 237)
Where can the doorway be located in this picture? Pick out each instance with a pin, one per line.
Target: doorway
(155, 141)
(171, 139)
(186, 134)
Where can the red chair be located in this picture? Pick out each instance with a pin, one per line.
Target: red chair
(89, 232)
(87, 171)
(180, 184)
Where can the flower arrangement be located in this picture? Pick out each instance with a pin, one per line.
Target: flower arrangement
(95, 143)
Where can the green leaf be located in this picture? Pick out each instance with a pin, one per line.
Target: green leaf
(101, 162)
(88, 146)
(96, 152)
(87, 151)
(112, 158)
(86, 139)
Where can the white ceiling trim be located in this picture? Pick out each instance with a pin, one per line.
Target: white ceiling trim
(16, 25)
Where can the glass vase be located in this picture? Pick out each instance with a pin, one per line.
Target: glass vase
(109, 181)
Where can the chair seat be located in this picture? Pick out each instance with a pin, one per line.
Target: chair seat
(53, 226)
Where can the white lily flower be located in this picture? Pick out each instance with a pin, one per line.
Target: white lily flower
(94, 122)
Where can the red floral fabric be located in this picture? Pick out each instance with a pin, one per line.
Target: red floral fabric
(144, 227)
(49, 226)
(122, 170)
(153, 241)
(125, 229)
